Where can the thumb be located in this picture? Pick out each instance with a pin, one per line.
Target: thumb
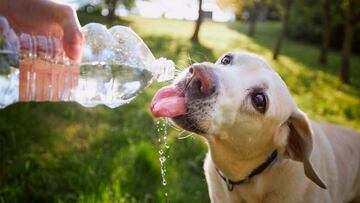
(73, 38)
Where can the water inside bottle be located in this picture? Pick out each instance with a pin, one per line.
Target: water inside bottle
(90, 84)
(110, 84)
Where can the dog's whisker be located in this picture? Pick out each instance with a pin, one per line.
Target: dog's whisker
(186, 136)
(173, 126)
(191, 60)
(180, 133)
(180, 69)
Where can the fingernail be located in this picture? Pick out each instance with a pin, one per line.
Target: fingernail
(75, 52)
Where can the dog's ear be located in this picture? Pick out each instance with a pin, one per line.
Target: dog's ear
(300, 143)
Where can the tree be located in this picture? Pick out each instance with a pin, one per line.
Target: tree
(113, 4)
(195, 36)
(287, 6)
(351, 12)
(253, 7)
(237, 5)
(326, 31)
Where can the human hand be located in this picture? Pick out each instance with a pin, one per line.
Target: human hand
(41, 81)
(47, 18)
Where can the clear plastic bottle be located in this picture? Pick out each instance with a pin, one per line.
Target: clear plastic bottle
(115, 66)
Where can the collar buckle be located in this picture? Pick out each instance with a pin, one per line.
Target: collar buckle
(229, 184)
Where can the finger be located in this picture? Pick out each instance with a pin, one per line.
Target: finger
(72, 43)
(73, 38)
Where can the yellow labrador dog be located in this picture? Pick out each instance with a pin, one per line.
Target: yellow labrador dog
(262, 148)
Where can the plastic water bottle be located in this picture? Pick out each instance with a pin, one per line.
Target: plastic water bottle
(115, 66)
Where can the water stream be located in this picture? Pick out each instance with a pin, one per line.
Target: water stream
(162, 133)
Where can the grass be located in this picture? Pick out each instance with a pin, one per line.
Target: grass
(62, 152)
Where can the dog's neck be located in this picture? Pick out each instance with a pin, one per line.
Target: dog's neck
(236, 162)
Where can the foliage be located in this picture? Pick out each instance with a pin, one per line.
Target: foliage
(311, 26)
(96, 17)
(62, 152)
(243, 8)
(127, 3)
(95, 7)
(232, 4)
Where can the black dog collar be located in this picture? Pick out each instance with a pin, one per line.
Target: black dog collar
(230, 183)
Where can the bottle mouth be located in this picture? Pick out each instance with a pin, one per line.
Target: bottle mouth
(162, 69)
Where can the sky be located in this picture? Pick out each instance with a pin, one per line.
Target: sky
(172, 9)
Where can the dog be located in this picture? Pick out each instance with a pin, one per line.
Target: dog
(262, 147)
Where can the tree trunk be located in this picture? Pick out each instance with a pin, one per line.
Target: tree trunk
(111, 16)
(287, 7)
(111, 6)
(251, 31)
(195, 37)
(326, 32)
(252, 20)
(346, 45)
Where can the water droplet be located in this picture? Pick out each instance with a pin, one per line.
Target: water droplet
(162, 159)
(162, 133)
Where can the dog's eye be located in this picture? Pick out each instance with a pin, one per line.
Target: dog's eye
(258, 100)
(226, 60)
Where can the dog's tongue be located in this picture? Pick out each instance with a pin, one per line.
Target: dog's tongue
(168, 102)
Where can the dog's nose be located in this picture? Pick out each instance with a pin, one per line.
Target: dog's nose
(201, 82)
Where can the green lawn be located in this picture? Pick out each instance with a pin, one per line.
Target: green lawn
(67, 153)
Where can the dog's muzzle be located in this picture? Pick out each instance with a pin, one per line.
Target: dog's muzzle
(202, 82)
(173, 101)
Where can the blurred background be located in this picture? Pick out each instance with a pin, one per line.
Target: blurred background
(63, 152)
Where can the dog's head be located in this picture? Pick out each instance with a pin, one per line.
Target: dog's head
(241, 101)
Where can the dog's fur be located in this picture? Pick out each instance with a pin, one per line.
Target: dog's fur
(240, 139)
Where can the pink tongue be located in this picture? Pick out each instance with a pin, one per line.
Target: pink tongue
(168, 102)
